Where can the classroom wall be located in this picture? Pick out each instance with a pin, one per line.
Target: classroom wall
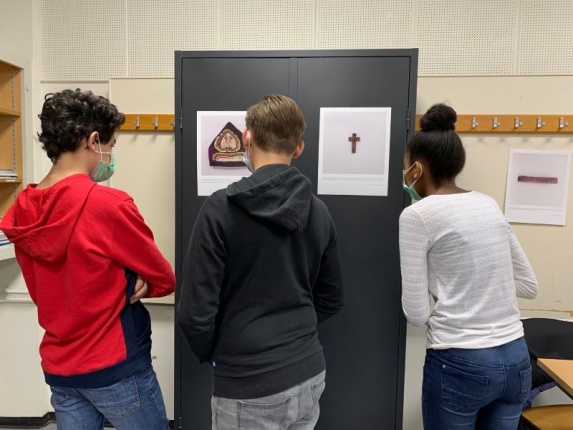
(23, 390)
(521, 50)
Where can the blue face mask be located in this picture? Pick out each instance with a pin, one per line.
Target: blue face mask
(410, 190)
(247, 162)
(103, 171)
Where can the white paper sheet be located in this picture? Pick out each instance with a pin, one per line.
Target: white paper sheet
(209, 125)
(354, 151)
(537, 186)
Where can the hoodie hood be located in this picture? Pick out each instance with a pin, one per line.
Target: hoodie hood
(276, 194)
(41, 222)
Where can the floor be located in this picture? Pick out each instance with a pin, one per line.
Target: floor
(48, 427)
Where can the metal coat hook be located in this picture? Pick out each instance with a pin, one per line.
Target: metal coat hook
(540, 123)
(517, 123)
(496, 123)
(136, 122)
(155, 122)
(475, 123)
(562, 123)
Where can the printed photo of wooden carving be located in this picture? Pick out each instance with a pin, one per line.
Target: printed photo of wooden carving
(537, 179)
(226, 150)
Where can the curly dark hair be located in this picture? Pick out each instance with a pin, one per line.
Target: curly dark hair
(438, 144)
(69, 116)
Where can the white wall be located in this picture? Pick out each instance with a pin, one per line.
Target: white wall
(456, 38)
(24, 392)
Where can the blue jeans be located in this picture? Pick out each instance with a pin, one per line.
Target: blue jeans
(135, 403)
(481, 389)
(294, 409)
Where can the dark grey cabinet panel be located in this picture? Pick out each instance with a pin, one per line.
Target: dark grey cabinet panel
(365, 343)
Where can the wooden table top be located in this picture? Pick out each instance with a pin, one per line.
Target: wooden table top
(561, 371)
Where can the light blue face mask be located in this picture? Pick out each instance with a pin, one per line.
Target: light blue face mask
(410, 190)
(247, 162)
(103, 171)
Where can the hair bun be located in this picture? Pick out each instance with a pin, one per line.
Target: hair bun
(439, 117)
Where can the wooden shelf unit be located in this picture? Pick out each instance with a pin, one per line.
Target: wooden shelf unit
(10, 133)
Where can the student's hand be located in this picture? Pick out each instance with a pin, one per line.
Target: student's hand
(141, 290)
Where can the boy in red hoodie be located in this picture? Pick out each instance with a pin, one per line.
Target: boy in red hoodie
(87, 258)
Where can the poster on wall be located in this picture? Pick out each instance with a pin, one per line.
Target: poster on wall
(354, 151)
(219, 150)
(537, 186)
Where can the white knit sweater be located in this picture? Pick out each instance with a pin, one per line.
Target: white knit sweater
(460, 250)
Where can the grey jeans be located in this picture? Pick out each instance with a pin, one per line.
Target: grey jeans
(294, 409)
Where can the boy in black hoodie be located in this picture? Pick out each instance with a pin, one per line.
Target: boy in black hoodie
(262, 269)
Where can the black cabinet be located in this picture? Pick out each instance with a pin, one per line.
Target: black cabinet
(365, 344)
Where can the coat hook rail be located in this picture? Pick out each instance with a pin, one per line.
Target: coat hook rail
(467, 123)
(146, 122)
(517, 123)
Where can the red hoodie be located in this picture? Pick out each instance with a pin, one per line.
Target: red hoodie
(76, 243)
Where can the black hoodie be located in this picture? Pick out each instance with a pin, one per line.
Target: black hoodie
(262, 269)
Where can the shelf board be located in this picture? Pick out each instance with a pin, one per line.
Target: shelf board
(167, 300)
(13, 181)
(9, 112)
(7, 252)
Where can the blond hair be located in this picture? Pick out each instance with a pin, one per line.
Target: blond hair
(276, 124)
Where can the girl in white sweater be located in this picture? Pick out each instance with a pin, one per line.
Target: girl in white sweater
(458, 252)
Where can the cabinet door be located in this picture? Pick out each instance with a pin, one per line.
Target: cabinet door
(364, 344)
(210, 84)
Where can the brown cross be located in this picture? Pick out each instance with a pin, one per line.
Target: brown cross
(354, 139)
